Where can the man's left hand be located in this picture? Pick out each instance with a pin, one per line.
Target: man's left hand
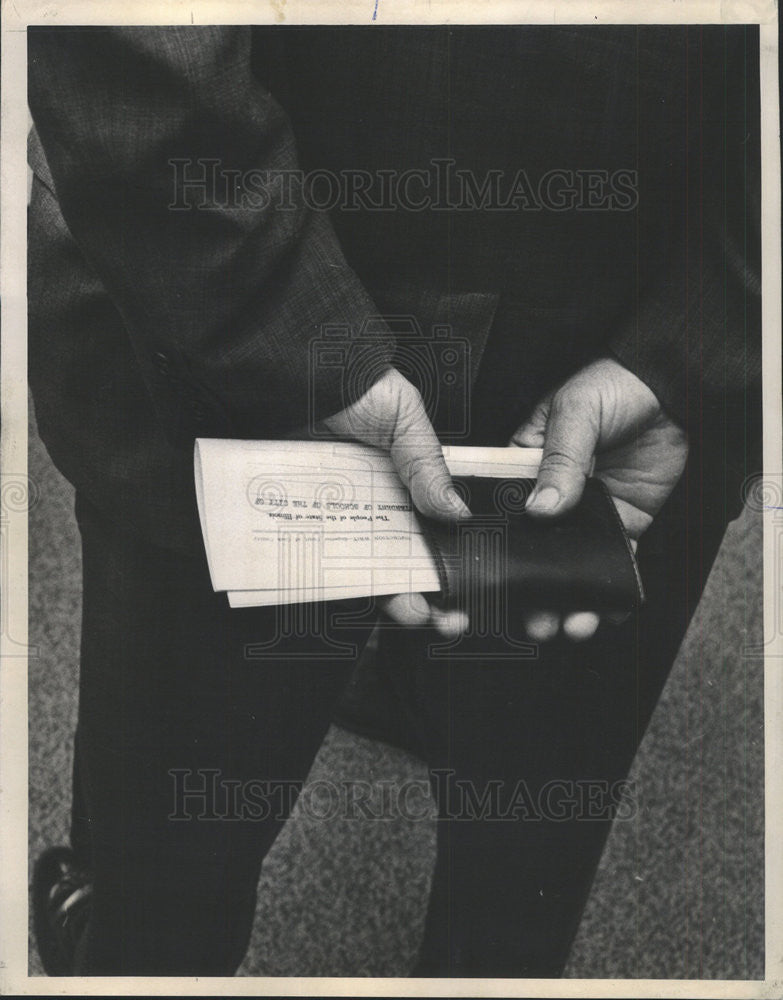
(607, 413)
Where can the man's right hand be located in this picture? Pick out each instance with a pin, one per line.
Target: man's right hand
(391, 416)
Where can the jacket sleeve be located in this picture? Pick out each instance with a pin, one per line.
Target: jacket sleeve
(176, 173)
(695, 334)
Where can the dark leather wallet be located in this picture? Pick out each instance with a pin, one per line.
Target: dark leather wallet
(581, 561)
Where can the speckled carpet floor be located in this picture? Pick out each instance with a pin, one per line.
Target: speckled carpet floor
(680, 891)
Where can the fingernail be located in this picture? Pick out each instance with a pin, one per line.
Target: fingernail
(545, 499)
(457, 504)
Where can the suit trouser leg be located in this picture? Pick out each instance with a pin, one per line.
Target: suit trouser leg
(527, 782)
(528, 762)
(189, 755)
(508, 895)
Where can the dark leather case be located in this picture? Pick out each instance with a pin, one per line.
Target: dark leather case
(581, 561)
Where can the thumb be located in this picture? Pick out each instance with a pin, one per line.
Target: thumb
(418, 459)
(392, 416)
(570, 437)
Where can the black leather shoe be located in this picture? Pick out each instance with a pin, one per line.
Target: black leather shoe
(62, 893)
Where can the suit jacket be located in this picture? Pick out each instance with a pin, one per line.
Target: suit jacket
(552, 195)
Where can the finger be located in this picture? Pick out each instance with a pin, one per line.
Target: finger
(531, 433)
(415, 611)
(407, 609)
(580, 625)
(635, 521)
(450, 624)
(569, 443)
(418, 459)
(541, 626)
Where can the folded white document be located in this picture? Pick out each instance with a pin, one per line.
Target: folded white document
(286, 522)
